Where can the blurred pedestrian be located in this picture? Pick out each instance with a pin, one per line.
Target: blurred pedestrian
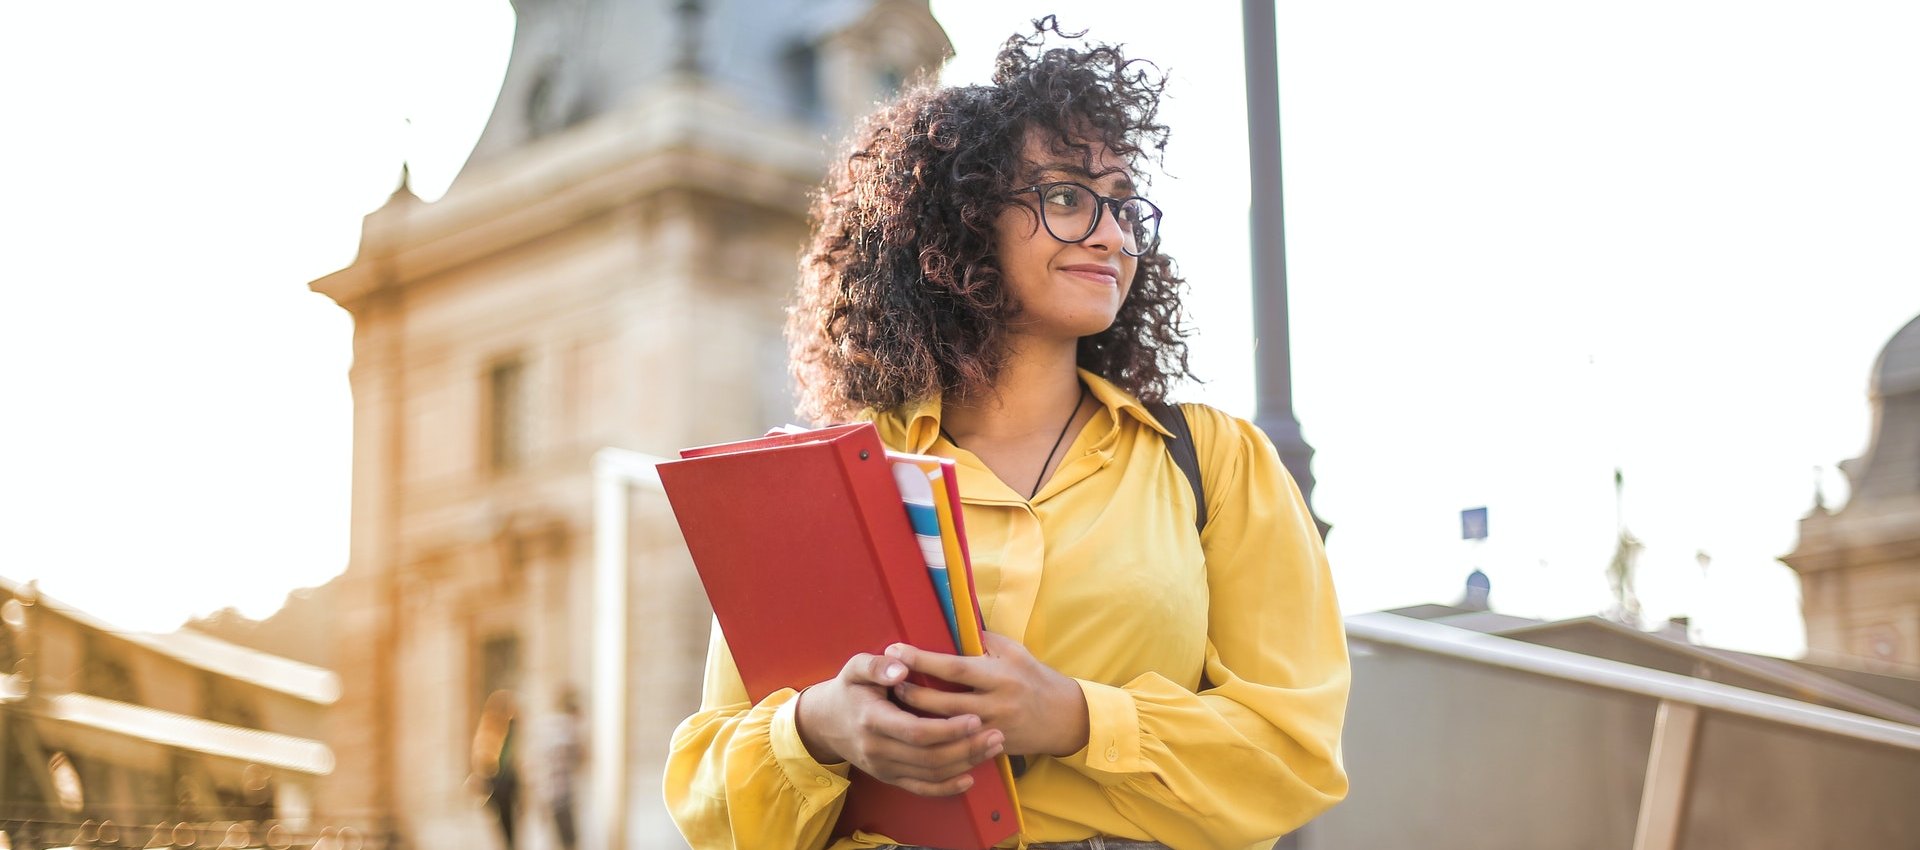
(494, 770)
(565, 751)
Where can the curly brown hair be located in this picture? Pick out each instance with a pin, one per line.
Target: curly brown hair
(900, 294)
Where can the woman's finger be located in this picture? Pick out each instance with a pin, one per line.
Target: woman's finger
(937, 702)
(969, 672)
(867, 669)
(892, 759)
(889, 721)
(996, 644)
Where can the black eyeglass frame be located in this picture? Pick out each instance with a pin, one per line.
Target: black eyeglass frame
(1100, 204)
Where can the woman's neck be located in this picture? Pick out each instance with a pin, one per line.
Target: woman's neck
(1037, 386)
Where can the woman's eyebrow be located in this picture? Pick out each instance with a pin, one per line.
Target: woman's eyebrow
(1074, 169)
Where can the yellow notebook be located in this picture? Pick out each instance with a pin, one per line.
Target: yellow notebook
(966, 608)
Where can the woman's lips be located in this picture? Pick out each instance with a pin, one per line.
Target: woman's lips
(1105, 275)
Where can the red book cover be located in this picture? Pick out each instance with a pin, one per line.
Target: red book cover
(808, 558)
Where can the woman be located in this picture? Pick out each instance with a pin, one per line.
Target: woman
(984, 284)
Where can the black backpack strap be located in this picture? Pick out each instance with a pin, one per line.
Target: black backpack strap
(1185, 455)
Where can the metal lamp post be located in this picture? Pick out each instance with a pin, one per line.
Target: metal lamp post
(1273, 366)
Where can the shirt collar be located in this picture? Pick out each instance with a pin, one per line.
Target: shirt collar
(1116, 400)
(915, 427)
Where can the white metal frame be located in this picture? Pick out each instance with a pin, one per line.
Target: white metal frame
(615, 473)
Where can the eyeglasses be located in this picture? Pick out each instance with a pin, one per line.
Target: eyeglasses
(1071, 212)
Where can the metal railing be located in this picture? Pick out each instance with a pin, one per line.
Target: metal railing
(1394, 630)
(31, 834)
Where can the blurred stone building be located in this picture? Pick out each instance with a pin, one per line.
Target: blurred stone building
(139, 739)
(609, 269)
(1860, 566)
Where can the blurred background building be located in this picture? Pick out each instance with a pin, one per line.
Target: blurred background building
(1860, 566)
(609, 269)
(130, 738)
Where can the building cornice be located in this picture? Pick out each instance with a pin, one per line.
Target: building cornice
(1861, 534)
(166, 728)
(683, 135)
(302, 681)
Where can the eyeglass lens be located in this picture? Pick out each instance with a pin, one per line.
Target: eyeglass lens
(1071, 212)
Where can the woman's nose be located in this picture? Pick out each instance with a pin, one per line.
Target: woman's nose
(1107, 234)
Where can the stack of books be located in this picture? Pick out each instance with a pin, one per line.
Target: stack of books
(815, 546)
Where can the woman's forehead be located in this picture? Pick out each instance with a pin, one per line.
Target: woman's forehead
(1046, 154)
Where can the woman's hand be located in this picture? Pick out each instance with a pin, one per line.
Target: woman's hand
(849, 718)
(1041, 711)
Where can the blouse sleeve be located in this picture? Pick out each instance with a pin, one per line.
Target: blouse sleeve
(738, 775)
(1256, 752)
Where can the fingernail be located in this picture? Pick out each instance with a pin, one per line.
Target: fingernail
(896, 651)
(895, 670)
(966, 782)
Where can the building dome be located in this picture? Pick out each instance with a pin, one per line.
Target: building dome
(1898, 370)
(1891, 466)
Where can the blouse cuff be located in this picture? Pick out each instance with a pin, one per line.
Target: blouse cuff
(819, 784)
(1113, 734)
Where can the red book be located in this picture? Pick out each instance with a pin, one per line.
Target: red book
(808, 558)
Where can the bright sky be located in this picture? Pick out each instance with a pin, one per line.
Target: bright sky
(1528, 243)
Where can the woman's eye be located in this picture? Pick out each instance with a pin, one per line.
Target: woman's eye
(1064, 196)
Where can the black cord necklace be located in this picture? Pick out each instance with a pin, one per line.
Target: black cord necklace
(1077, 402)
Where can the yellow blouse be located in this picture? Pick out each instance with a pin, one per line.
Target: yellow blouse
(1101, 577)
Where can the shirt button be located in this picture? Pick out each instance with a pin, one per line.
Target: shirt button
(1113, 754)
(822, 781)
